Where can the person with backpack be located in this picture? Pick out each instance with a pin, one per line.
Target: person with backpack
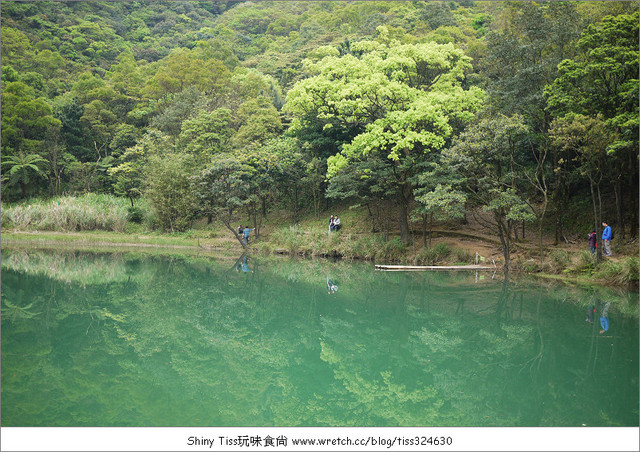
(607, 235)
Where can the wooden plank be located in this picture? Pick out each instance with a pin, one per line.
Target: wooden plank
(431, 267)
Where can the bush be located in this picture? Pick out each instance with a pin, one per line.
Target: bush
(432, 256)
(464, 256)
(560, 260)
(620, 272)
(586, 262)
(135, 215)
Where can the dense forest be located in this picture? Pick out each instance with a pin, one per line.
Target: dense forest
(426, 111)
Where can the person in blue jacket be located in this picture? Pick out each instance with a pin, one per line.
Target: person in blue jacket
(606, 239)
(246, 233)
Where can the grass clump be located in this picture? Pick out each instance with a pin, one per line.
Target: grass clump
(585, 263)
(87, 212)
(560, 260)
(620, 272)
(434, 255)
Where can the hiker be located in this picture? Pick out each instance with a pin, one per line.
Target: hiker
(331, 223)
(606, 239)
(246, 233)
(592, 241)
(336, 223)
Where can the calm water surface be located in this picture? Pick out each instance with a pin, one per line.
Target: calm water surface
(134, 340)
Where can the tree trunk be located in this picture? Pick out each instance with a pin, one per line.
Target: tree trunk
(431, 230)
(619, 216)
(235, 232)
(595, 221)
(633, 192)
(542, 214)
(404, 223)
(503, 233)
(424, 230)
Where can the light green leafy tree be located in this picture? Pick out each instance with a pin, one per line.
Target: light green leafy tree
(403, 101)
(168, 188)
(207, 134)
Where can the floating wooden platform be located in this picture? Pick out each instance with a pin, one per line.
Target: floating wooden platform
(431, 267)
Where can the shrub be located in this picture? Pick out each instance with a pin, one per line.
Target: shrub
(434, 255)
(464, 256)
(620, 272)
(392, 249)
(135, 215)
(586, 262)
(560, 260)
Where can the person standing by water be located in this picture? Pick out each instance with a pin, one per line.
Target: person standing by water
(606, 239)
(331, 223)
(592, 241)
(246, 233)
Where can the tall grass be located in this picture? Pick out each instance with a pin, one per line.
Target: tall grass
(622, 272)
(434, 255)
(87, 212)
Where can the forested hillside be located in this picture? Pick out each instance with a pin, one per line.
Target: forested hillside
(423, 111)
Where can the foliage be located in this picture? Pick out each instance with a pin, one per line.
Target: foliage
(168, 189)
(95, 94)
(68, 213)
(398, 102)
(20, 168)
(621, 272)
(223, 189)
(485, 157)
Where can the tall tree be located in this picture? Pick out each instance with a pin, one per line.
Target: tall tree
(223, 189)
(485, 156)
(603, 79)
(585, 140)
(404, 101)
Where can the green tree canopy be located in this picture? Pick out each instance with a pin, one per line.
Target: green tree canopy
(402, 101)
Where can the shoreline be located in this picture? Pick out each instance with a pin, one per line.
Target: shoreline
(104, 241)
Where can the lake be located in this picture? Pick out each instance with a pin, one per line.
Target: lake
(133, 339)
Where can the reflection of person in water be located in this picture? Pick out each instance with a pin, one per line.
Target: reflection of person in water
(245, 264)
(591, 312)
(332, 287)
(604, 318)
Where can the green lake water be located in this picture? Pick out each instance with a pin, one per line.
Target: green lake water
(118, 339)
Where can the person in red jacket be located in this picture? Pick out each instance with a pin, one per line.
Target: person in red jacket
(592, 241)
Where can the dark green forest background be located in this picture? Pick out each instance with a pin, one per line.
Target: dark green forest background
(526, 111)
